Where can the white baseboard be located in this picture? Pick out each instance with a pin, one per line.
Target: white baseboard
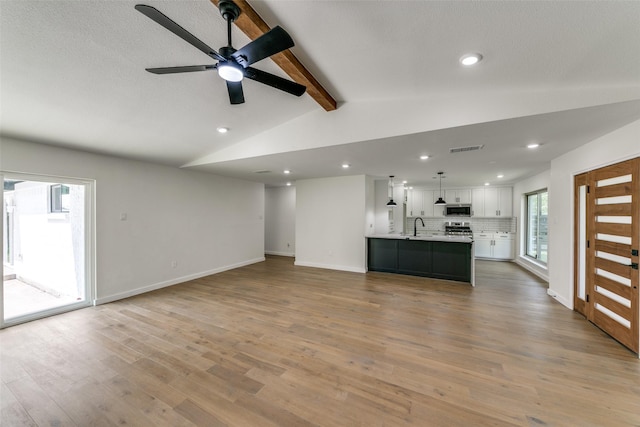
(290, 254)
(530, 267)
(560, 299)
(330, 267)
(172, 282)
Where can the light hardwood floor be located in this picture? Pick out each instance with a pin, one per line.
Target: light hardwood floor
(276, 345)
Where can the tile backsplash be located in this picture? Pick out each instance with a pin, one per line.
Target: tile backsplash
(477, 224)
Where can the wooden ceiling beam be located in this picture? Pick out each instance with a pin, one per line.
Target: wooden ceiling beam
(254, 26)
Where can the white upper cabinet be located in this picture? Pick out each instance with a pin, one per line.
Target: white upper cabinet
(489, 202)
(460, 195)
(477, 202)
(420, 203)
(498, 202)
(505, 201)
(428, 198)
(414, 202)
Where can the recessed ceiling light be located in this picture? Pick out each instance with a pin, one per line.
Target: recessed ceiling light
(404, 182)
(500, 176)
(222, 129)
(533, 145)
(470, 59)
(345, 165)
(288, 184)
(424, 157)
(410, 188)
(486, 183)
(287, 171)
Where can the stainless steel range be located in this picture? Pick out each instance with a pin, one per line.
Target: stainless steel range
(457, 228)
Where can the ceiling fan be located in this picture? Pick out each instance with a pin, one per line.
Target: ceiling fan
(233, 65)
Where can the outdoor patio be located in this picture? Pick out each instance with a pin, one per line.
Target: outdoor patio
(21, 298)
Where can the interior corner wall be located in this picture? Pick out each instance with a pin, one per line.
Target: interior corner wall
(203, 222)
(280, 221)
(520, 189)
(330, 218)
(370, 206)
(619, 145)
(381, 209)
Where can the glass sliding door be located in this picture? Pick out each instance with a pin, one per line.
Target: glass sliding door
(46, 246)
(537, 235)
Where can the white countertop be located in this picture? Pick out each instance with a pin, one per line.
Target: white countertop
(424, 236)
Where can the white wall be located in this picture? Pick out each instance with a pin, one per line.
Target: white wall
(537, 182)
(381, 210)
(370, 206)
(330, 218)
(617, 146)
(204, 222)
(280, 221)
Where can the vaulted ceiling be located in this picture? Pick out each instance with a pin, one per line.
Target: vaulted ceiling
(72, 73)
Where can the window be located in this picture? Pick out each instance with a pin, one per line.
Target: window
(59, 198)
(537, 213)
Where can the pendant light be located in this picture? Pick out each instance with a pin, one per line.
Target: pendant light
(391, 203)
(440, 200)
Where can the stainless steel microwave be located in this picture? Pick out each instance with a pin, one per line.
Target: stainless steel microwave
(457, 210)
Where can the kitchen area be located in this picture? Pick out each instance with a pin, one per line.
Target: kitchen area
(483, 213)
(454, 226)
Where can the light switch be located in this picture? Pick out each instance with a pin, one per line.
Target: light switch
(123, 216)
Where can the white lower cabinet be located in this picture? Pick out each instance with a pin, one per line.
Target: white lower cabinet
(483, 243)
(494, 245)
(503, 246)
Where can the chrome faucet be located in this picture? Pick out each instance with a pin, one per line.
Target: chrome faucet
(415, 227)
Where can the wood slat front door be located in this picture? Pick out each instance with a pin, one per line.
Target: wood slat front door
(613, 240)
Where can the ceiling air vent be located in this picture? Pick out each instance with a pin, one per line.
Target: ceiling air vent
(464, 149)
(262, 171)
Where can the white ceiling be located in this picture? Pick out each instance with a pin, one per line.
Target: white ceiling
(560, 73)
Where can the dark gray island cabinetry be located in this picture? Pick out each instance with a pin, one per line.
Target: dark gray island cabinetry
(440, 258)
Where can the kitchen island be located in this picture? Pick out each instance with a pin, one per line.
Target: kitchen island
(437, 256)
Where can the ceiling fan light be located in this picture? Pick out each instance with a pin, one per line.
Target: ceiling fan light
(230, 72)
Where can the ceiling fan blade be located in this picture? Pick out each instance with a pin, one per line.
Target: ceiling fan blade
(274, 81)
(185, 69)
(236, 95)
(273, 41)
(160, 18)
